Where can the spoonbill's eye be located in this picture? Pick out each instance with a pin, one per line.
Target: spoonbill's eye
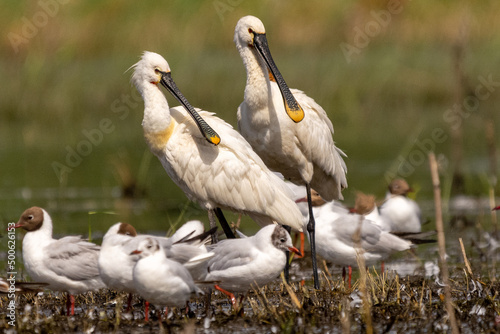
(250, 30)
(157, 70)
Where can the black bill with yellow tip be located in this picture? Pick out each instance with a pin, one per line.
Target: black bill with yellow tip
(292, 107)
(209, 133)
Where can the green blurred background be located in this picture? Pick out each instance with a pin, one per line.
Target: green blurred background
(63, 70)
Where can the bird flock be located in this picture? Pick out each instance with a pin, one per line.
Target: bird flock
(282, 169)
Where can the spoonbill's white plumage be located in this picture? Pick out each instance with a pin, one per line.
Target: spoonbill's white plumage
(69, 264)
(287, 129)
(403, 213)
(229, 175)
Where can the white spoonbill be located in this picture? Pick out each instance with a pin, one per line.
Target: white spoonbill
(68, 264)
(287, 129)
(229, 175)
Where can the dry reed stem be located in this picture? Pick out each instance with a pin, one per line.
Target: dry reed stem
(466, 261)
(292, 294)
(441, 242)
(345, 316)
(367, 312)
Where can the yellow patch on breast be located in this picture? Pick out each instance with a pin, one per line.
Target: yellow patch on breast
(158, 140)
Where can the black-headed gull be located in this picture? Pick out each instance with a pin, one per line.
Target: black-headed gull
(403, 213)
(288, 129)
(187, 246)
(216, 172)
(256, 260)
(10, 285)
(337, 232)
(68, 264)
(159, 280)
(365, 205)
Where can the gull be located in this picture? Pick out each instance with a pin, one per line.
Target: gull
(256, 260)
(402, 212)
(10, 285)
(365, 205)
(68, 264)
(217, 172)
(159, 280)
(287, 129)
(187, 246)
(343, 237)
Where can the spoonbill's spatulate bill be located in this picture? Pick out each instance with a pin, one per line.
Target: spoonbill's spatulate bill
(69, 264)
(229, 175)
(299, 147)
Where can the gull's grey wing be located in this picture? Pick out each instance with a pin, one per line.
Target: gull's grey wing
(74, 258)
(347, 225)
(231, 253)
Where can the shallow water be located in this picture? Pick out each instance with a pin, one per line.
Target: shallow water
(411, 302)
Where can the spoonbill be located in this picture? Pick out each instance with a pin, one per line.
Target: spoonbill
(287, 129)
(69, 264)
(216, 172)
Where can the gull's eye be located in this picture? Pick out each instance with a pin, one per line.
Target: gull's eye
(30, 217)
(283, 240)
